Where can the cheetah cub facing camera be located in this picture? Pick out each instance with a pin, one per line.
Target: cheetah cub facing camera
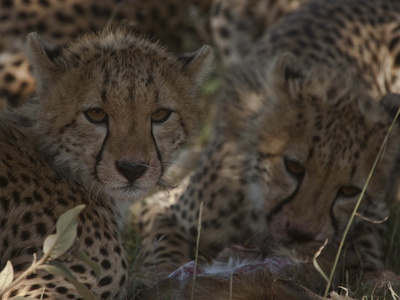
(110, 112)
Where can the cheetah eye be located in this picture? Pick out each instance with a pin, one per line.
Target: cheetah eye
(349, 191)
(294, 167)
(96, 115)
(161, 115)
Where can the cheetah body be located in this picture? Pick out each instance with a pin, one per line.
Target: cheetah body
(296, 132)
(103, 127)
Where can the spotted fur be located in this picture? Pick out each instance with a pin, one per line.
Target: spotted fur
(56, 152)
(305, 110)
(62, 21)
(251, 18)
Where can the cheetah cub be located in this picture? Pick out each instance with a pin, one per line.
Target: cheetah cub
(110, 112)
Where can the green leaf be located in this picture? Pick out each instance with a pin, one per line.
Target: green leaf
(58, 268)
(82, 256)
(6, 277)
(57, 244)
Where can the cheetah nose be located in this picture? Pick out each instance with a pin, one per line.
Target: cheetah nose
(131, 170)
(299, 234)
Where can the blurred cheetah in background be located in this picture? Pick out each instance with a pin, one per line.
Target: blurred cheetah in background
(296, 133)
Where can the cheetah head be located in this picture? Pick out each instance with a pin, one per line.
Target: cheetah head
(316, 140)
(111, 110)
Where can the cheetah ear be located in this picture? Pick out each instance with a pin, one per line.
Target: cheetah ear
(391, 103)
(43, 57)
(198, 64)
(286, 77)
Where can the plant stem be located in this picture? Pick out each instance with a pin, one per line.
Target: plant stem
(197, 247)
(33, 267)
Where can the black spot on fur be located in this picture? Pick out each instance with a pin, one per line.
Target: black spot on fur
(4, 18)
(78, 269)
(41, 229)
(3, 182)
(49, 212)
(393, 43)
(88, 241)
(117, 249)
(41, 27)
(104, 96)
(104, 251)
(7, 3)
(105, 281)
(172, 9)
(122, 281)
(35, 287)
(5, 204)
(61, 290)
(193, 231)
(62, 202)
(22, 15)
(31, 276)
(224, 32)
(97, 11)
(27, 218)
(397, 60)
(25, 235)
(78, 9)
(316, 139)
(48, 277)
(105, 264)
(57, 35)
(107, 236)
(63, 18)
(123, 264)
(44, 3)
(105, 295)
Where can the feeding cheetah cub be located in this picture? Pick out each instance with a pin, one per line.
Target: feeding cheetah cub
(295, 138)
(110, 112)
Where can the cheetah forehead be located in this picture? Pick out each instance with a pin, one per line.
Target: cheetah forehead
(115, 65)
(320, 91)
(119, 55)
(323, 116)
(107, 44)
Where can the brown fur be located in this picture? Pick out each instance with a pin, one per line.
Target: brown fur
(322, 106)
(63, 21)
(53, 157)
